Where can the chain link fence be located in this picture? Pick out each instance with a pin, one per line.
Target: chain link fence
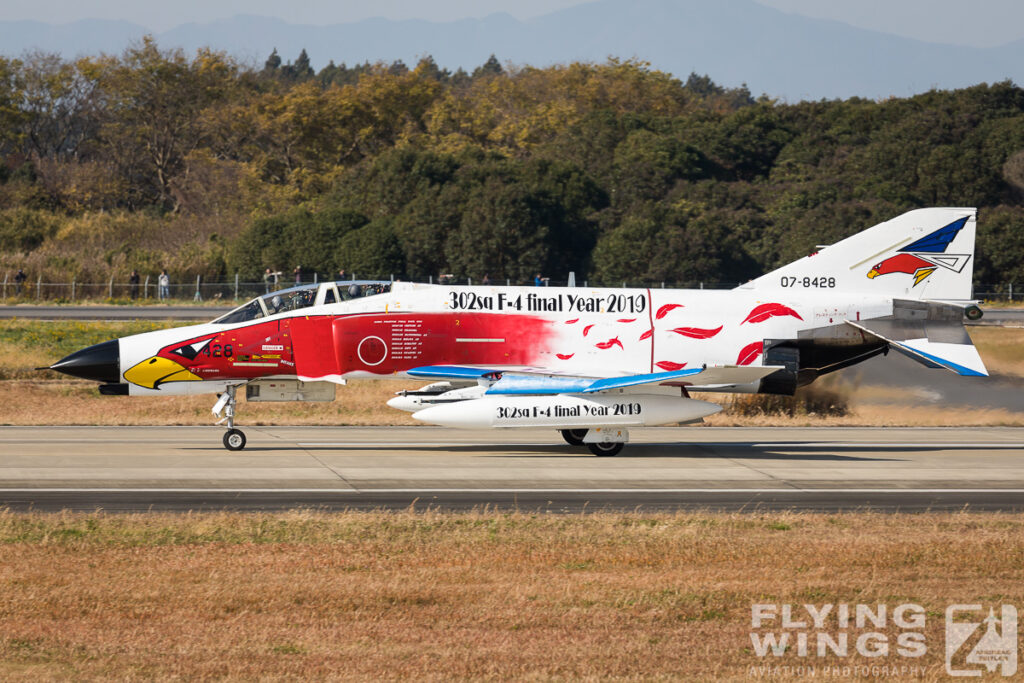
(149, 291)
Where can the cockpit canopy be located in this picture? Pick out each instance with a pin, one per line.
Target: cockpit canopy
(302, 296)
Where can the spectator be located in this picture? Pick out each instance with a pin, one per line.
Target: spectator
(268, 279)
(19, 281)
(486, 281)
(537, 282)
(298, 275)
(163, 285)
(341, 275)
(133, 284)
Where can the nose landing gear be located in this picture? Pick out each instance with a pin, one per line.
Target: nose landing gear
(234, 439)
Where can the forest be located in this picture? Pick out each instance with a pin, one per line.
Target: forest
(209, 167)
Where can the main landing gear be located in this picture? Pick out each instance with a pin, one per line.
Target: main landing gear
(574, 437)
(602, 441)
(234, 439)
(605, 449)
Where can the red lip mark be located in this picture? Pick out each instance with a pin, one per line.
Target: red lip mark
(765, 311)
(664, 310)
(614, 341)
(749, 353)
(564, 356)
(647, 335)
(669, 366)
(586, 330)
(570, 322)
(626, 320)
(697, 332)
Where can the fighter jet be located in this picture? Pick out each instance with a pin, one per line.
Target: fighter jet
(588, 362)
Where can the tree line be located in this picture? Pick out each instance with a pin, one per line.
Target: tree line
(207, 166)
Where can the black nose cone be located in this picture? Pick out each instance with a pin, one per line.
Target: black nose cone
(100, 363)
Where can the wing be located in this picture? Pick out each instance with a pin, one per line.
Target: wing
(527, 381)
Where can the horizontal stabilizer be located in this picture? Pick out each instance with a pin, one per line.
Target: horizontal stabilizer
(962, 359)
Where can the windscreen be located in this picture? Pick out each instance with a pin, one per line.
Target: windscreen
(249, 311)
(269, 304)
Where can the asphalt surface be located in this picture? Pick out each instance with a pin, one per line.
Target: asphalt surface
(185, 468)
(1002, 316)
(115, 313)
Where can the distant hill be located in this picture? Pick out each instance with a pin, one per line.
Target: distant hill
(733, 41)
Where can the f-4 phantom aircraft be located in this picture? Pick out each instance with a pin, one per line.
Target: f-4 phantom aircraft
(590, 363)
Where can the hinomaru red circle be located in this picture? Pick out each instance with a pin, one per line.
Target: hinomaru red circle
(372, 351)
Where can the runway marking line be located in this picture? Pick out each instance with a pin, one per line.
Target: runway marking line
(422, 444)
(813, 444)
(894, 444)
(498, 490)
(998, 445)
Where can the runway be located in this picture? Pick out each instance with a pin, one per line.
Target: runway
(829, 469)
(107, 313)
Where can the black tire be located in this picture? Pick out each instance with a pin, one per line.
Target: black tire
(973, 313)
(574, 437)
(234, 439)
(605, 449)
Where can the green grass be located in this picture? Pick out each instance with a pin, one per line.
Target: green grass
(141, 530)
(65, 336)
(29, 344)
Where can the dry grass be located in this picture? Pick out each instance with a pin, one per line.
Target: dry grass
(880, 415)
(432, 596)
(79, 403)
(1002, 348)
(825, 398)
(362, 403)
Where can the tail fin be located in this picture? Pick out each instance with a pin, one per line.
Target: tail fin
(923, 254)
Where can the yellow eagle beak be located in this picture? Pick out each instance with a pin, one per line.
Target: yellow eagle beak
(153, 372)
(872, 274)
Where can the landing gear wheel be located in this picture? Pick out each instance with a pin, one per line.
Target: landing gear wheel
(234, 440)
(605, 449)
(973, 313)
(574, 437)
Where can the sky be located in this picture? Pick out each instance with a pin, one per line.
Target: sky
(978, 23)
